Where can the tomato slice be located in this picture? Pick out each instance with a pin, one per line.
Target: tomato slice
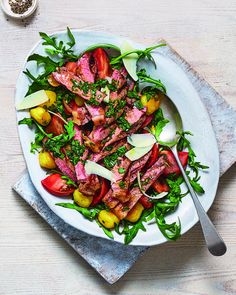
(154, 155)
(160, 185)
(71, 66)
(102, 62)
(56, 126)
(104, 189)
(145, 202)
(57, 186)
(172, 166)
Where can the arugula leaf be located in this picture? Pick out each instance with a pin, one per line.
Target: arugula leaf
(70, 130)
(146, 53)
(131, 232)
(55, 144)
(69, 181)
(39, 136)
(196, 186)
(194, 165)
(39, 133)
(107, 231)
(38, 83)
(170, 231)
(87, 213)
(49, 65)
(144, 77)
(159, 127)
(58, 48)
(27, 121)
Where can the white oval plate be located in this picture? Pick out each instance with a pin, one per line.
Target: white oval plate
(195, 118)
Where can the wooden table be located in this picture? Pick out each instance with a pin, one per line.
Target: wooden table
(33, 259)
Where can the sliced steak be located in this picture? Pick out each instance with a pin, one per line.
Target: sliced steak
(99, 156)
(76, 85)
(97, 113)
(90, 186)
(149, 177)
(81, 116)
(118, 78)
(100, 132)
(83, 69)
(135, 118)
(65, 168)
(132, 175)
(121, 184)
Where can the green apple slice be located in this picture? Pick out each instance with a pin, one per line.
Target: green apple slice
(32, 100)
(130, 61)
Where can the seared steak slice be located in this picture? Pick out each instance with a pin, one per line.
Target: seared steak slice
(83, 69)
(76, 84)
(149, 177)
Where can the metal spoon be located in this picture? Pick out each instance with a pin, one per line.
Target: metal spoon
(169, 138)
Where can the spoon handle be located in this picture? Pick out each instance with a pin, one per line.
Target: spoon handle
(214, 242)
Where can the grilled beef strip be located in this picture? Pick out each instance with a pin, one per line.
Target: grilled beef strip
(149, 177)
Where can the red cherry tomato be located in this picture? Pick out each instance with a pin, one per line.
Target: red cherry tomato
(145, 202)
(160, 186)
(104, 189)
(172, 166)
(71, 66)
(154, 155)
(56, 126)
(102, 62)
(57, 186)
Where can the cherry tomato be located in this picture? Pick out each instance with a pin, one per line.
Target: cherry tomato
(172, 166)
(104, 189)
(154, 155)
(57, 186)
(160, 185)
(145, 202)
(56, 126)
(71, 66)
(102, 62)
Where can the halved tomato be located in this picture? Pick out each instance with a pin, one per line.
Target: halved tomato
(57, 186)
(160, 185)
(172, 166)
(102, 62)
(154, 155)
(145, 202)
(71, 66)
(104, 189)
(56, 126)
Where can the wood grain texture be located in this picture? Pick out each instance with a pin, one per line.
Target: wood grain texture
(33, 259)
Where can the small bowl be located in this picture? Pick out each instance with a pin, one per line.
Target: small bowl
(7, 9)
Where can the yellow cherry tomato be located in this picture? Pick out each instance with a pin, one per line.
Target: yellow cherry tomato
(41, 115)
(82, 200)
(46, 160)
(52, 97)
(152, 104)
(52, 81)
(107, 219)
(135, 213)
(79, 101)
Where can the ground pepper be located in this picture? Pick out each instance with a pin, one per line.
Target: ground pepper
(20, 6)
